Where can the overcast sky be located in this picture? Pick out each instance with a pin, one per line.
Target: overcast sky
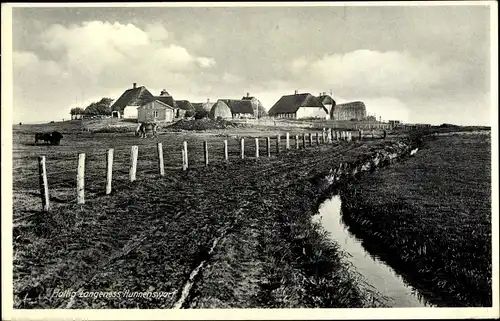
(417, 64)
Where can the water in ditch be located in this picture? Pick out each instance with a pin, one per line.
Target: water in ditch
(381, 276)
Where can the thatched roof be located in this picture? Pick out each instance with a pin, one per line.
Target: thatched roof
(132, 97)
(326, 100)
(238, 106)
(291, 103)
(259, 109)
(220, 109)
(169, 100)
(352, 105)
(184, 105)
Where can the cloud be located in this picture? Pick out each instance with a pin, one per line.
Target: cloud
(376, 73)
(95, 56)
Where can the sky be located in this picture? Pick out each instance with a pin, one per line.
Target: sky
(418, 64)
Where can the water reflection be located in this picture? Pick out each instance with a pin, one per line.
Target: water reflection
(376, 273)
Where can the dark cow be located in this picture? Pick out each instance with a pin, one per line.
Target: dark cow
(53, 138)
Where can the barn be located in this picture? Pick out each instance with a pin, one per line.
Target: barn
(355, 110)
(299, 106)
(155, 111)
(220, 109)
(133, 98)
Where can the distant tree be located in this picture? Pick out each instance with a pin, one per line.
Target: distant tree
(189, 113)
(76, 112)
(102, 107)
(200, 114)
(371, 118)
(261, 112)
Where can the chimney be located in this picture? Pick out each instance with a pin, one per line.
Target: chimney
(248, 94)
(134, 85)
(208, 100)
(296, 91)
(324, 93)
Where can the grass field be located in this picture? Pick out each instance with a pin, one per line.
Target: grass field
(149, 235)
(430, 218)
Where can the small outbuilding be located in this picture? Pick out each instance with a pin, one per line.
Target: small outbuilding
(155, 111)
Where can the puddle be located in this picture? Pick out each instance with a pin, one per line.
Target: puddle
(381, 276)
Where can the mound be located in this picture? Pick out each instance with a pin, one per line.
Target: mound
(202, 124)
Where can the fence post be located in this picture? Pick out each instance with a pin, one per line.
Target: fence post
(226, 154)
(304, 140)
(296, 141)
(385, 133)
(242, 148)
(323, 136)
(373, 134)
(256, 147)
(317, 139)
(268, 146)
(278, 144)
(109, 170)
(160, 159)
(360, 134)
(184, 166)
(310, 139)
(44, 187)
(205, 152)
(133, 162)
(287, 141)
(80, 180)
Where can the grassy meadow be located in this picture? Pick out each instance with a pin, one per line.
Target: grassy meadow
(149, 235)
(430, 218)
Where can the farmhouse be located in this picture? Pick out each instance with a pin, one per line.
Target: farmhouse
(299, 106)
(131, 99)
(155, 111)
(258, 109)
(240, 108)
(349, 111)
(220, 109)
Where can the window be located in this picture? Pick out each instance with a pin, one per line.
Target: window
(155, 113)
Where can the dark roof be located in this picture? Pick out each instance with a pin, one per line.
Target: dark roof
(132, 97)
(169, 100)
(184, 105)
(352, 105)
(291, 103)
(162, 104)
(197, 106)
(239, 106)
(327, 99)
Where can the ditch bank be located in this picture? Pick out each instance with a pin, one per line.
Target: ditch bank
(277, 257)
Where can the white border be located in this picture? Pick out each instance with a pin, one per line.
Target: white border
(224, 314)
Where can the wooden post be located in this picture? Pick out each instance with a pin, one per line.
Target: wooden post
(385, 134)
(109, 170)
(304, 140)
(226, 154)
(373, 134)
(133, 162)
(310, 139)
(161, 166)
(360, 134)
(184, 165)
(44, 187)
(317, 139)
(323, 136)
(256, 147)
(80, 180)
(332, 134)
(287, 141)
(296, 141)
(205, 152)
(268, 146)
(242, 148)
(278, 144)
